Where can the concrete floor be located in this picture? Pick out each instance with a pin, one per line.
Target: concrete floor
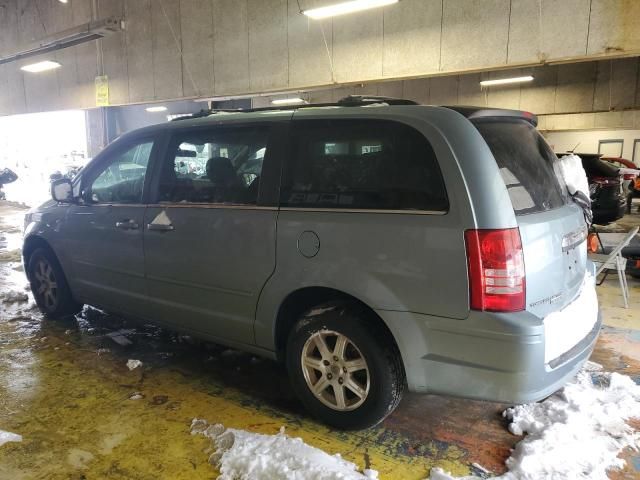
(65, 387)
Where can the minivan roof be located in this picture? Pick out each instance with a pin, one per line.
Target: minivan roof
(216, 115)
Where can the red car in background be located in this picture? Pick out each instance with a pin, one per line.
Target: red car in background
(622, 163)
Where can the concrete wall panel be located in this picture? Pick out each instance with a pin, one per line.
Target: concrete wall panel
(470, 92)
(474, 32)
(138, 36)
(309, 61)
(11, 78)
(391, 89)
(524, 32)
(443, 91)
(230, 46)
(412, 38)
(614, 26)
(114, 54)
(540, 95)
(565, 26)
(417, 90)
(616, 84)
(576, 86)
(167, 63)
(504, 96)
(357, 46)
(268, 61)
(196, 28)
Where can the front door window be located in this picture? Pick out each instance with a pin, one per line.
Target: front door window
(122, 179)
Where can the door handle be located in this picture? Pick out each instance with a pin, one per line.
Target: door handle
(159, 227)
(127, 225)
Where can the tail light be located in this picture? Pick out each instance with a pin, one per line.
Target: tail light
(496, 270)
(593, 244)
(606, 180)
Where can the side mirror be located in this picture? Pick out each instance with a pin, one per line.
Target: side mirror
(62, 190)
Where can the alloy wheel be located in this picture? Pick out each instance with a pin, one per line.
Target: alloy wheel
(46, 284)
(335, 370)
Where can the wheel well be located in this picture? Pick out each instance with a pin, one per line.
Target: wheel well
(304, 299)
(31, 244)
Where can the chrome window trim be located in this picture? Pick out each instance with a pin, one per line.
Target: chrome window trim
(211, 205)
(272, 209)
(363, 210)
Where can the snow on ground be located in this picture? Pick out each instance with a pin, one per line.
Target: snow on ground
(576, 433)
(244, 455)
(133, 364)
(9, 437)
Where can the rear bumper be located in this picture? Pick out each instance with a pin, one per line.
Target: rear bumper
(493, 357)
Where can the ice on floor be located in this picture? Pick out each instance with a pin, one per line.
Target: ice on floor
(13, 297)
(240, 454)
(576, 433)
(6, 437)
(133, 364)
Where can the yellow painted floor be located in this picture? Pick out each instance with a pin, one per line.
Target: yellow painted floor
(65, 387)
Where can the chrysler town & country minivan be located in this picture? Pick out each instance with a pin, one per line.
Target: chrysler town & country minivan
(372, 245)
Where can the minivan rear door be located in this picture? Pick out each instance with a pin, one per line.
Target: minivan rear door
(552, 227)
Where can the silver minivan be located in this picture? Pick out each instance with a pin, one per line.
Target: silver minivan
(371, 245)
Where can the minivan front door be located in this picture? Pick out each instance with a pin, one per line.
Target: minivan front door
(210, 238)
(104, 233)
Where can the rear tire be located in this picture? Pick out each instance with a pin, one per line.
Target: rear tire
(344, 367)
(49, 285)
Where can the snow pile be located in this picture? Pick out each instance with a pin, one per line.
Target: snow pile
(14, 297)
(576, 433)
(9, 437)
(574, 175)
(133, 364)
(241, 455)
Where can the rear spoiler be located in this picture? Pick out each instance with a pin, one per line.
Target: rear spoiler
(473, 113)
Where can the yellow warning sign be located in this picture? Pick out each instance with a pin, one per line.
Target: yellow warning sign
(102, 91)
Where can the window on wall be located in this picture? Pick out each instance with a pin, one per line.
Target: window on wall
(220, 165)
(610, 148)
(635, 157)
(362, 164)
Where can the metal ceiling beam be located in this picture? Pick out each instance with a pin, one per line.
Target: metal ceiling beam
(87, 32)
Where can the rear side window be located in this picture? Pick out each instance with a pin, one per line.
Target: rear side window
(362, 164)
(218, 165)
(527, 164)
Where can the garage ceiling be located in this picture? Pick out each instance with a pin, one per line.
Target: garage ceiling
(204, 48)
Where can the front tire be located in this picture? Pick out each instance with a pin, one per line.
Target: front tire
(49, 285)
(344, 367)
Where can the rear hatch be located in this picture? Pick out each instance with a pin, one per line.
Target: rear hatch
(552, 226)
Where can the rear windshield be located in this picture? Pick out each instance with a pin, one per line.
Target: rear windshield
(526, 162)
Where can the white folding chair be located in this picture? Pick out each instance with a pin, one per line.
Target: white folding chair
(615, 261)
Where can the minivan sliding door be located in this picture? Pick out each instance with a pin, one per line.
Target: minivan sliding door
(210, 235)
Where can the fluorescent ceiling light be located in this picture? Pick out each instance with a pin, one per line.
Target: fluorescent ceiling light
(288, 101)
(40, 66)
(67, 38)
(160, 108)
(346, 7)
(64, 1)
(504, 81)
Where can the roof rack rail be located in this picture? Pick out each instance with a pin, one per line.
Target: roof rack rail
(349, 101)
(357, 100)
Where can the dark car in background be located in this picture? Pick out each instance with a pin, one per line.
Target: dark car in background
(606, 189)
